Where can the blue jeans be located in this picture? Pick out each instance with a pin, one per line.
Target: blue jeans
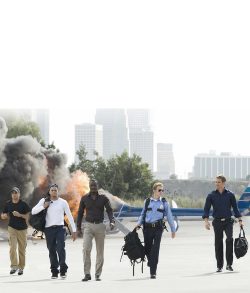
(55, 238)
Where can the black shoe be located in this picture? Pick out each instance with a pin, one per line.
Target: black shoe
(229, 268)
(98, 278)
(219, 270)
(152, 276)
(54, 275)
(86, 278)
(13, 271)
(20, 272)
(63, 275)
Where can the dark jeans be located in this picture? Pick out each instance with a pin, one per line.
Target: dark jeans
(219, 227)
(152, 241)
(55, 238)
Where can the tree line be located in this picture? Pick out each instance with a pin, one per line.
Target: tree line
(122, 175)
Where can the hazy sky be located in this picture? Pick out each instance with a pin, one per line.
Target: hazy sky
(191, 131)
(189, 60)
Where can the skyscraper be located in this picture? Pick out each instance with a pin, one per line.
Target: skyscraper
(41, 117)
(140, 118)
(165, 160)
(141, 135)
(115, 131)
(91, 136)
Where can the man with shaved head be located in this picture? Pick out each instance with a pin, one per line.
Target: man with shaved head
(94, 203)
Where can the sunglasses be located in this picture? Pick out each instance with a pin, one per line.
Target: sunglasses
(159, 190)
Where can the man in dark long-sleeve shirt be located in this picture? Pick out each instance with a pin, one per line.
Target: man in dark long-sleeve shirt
(222, 199)
(94, 203)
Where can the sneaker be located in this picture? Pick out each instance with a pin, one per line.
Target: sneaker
(219, 270)
(152, 276)
(63, 275)
(12, 271)
(20, 272)
(54, 275)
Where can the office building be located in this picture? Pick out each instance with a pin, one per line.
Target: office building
(165, 160)
(141, 136)
(115, 131)
(91, 136)
(210, 165)
(41, 117)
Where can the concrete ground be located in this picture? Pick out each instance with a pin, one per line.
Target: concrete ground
(187, 264)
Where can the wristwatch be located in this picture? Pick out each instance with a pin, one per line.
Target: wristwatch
(240, 220)
(21, 215)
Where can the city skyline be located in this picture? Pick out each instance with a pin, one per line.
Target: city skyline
(188, 137)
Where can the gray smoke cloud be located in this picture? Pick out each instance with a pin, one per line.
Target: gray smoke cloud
(3, 132)
(115, 201)
(24, 163)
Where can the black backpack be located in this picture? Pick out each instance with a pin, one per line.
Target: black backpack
(240, 245)
(38, 221)
(134, 249)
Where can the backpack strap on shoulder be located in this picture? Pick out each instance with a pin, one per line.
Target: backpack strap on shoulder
(163, 210)
(145, 211)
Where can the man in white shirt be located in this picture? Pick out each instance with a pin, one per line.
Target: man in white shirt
(54, 229)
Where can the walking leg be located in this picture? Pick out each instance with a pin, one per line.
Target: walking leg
(218, 233)
(155, 250)
(12, 238)
(99, 240)
(87, 247)
(229, 243)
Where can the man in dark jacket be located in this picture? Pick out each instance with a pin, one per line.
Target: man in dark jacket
(222, 199)
(94, 204)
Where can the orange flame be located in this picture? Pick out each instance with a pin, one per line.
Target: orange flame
(77, 186)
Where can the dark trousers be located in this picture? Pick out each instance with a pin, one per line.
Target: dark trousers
(152, 241)
(55, 238)
(219, 227)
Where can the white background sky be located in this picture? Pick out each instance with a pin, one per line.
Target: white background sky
(189, 60)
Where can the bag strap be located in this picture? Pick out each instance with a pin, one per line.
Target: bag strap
(146, 207)
(241, 229)
(163, 200)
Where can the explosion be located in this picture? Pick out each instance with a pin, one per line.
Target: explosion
(77, 186)
(24, 163)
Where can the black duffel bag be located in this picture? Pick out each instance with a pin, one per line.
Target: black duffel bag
(38, 221)
(240, 245)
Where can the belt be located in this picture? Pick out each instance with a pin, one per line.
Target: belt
(95, 222)
(55, 226)
(222, 220)
(152, 225)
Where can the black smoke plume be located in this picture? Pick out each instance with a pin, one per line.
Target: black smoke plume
(25, 164)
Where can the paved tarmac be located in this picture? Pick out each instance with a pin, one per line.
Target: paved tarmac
(187, 264)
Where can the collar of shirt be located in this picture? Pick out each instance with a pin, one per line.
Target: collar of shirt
(156, 199)
(225, 190)
(98, 193)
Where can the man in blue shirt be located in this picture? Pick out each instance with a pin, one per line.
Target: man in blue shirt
(153, 226)
(222, 199)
